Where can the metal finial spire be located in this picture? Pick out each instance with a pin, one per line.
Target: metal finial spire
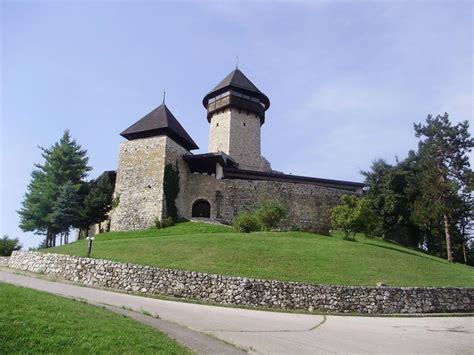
(164, 96)
(237, 63)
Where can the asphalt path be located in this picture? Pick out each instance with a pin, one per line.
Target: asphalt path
(224, 330)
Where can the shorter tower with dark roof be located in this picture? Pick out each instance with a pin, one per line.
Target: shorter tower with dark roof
(160, 122)
(235, 112)
(152, 142)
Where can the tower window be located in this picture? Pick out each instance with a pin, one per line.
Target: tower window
(245, 124)
(217, 124)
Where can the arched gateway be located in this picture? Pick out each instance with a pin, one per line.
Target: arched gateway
(201, 209)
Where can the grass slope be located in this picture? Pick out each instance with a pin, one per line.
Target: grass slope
(36, 322)
(290, 256)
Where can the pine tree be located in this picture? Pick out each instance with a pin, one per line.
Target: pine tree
(64, 162)
(444, 173)
(67, 209)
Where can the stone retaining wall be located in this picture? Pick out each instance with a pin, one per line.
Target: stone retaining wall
(246, 291)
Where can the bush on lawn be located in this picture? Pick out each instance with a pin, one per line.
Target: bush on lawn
(9, 245)
(351, 216)
(246, 223)
(270, 214)
(164, 222)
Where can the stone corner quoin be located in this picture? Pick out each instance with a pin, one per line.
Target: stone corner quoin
(244, 291)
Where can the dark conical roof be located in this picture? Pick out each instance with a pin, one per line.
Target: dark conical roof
(237, 80)
(159, 122)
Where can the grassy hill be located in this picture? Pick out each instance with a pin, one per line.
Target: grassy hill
(289, 256)
(34, 322)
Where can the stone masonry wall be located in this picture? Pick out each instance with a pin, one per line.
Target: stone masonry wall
(238, 135)
(246, 291)
(308, 205)
(139, 186)
(139, 183)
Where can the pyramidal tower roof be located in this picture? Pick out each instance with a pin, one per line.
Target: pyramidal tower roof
(160, 122)
(238, 81)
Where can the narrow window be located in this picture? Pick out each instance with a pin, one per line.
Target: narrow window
(245, 124)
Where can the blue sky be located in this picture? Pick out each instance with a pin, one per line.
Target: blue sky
(346, 79)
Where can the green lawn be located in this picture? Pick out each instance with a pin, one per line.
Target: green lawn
(290, 256)
(33, 322)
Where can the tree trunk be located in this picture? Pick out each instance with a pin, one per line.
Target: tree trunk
(464, 252)
(449, 249)
(48, 239)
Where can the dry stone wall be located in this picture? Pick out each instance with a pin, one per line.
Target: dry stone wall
(243, 291)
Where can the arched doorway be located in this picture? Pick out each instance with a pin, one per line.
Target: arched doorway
(201, 209)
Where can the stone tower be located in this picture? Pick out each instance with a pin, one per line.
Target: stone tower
(236, 111)
(140, 173)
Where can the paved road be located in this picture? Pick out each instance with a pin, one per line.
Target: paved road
(276, 333)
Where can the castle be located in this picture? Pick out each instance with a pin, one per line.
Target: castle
(231, 178)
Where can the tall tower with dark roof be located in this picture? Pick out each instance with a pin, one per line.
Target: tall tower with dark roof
(236, 111)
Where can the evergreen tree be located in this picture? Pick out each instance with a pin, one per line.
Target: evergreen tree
(64, 162)
(444, 173)
(67, 209)
(98, 202)
(390, 202)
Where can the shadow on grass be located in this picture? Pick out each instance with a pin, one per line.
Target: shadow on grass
(429, 257)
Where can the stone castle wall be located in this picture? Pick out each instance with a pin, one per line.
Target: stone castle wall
(308, 205)
(238, 135)
(139, 184)
(139, 205)
(243, 291)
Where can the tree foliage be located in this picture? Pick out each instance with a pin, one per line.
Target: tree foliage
(66, 209)
(171, 189)
(64, 163)
(351, 216)
(444, 173)
(270, 214)
(426, 200)
(98, 202)
(9, 245)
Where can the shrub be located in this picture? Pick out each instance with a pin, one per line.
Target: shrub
(269, 214)
(165, 222)
(9, 245)
(246, 223)
(351, 216)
